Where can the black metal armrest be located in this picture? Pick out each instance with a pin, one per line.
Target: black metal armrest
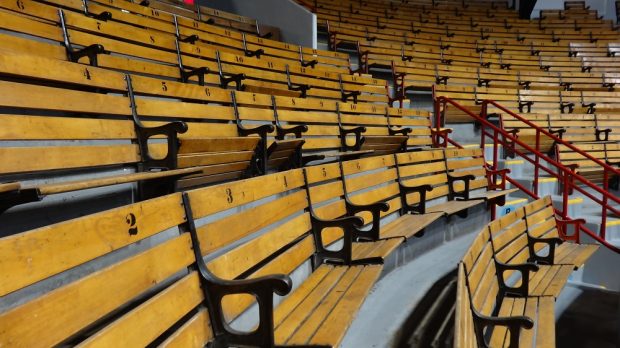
(255, 53)
(466, 179)
(598, 133)
(527, 104)
(613, 163)
(375, 209)
(399, 130)
(296, 130)
(560, 132)
(228, 78)
(309, 63)
(358, 137)
(199, 72)
(261, 130)
(551, 242)
(591, 107)
(170, 131)
(303, 88)
(514, 325)
(569, 105)
(525, 84)
(349, 225)
(404, 190)
(524, 269)
(490, 173)
(351, 94)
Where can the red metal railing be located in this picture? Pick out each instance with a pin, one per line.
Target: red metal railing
(569, 179)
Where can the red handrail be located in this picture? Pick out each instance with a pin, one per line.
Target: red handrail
(567, 172)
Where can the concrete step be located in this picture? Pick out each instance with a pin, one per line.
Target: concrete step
(510, 206)
(546, 186)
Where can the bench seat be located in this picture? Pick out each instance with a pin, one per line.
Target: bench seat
(453, 207)
(539, 309)
(574, 254)
(490, 195)
(408, 225)
(320, 311)
(548, 280)
(542, 223)
(367, 188)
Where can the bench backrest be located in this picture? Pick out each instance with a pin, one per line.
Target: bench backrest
(479, 267)
(93, 279)
(540, 219)
(277, 204)
(424, 168)
(464, 335)
(468, 162)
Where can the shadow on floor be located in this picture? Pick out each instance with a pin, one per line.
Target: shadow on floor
(591, 321)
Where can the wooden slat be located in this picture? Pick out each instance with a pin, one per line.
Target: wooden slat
(49, 319)
(38, 254)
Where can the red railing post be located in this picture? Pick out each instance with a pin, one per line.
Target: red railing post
(537, 161)
(566, 181)
(565, 174)
(603, 228)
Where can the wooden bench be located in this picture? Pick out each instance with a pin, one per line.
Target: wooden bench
(88, 142)
(180, 299)
(606, 152)
(486, 311)
(471, 178)
(151, 292)
(323, 304)
(230, 67)
(427, 172)
(544, 226)
(368, 188)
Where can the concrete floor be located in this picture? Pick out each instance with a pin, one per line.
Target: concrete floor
(591, 320)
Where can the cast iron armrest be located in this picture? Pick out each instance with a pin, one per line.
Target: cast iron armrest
(404, 190)
(514, 325)
(349, 225)
(551, 242)
(261, 130)
(296, 130)
(562, 226)
(358, 137)
(399, 130)
(261, 288)
(524, 269)
(466, 179)
(170, 131)
(613, 163)
(560, 132)
(490, 172)
(591, 107)
(375, 209)
(598, 132)
(441, 133)
(309, 63)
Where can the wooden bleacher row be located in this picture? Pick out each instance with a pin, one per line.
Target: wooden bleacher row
(83, 112)
(606, 152)
(145, 52)
(508, 283)
(206, 14)
(442, 41)
(473, 24)
(574, 128)
(415, 76)
(375, 53)
(536, 101)
(418, 25)
(145, 17)
(183, 300)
